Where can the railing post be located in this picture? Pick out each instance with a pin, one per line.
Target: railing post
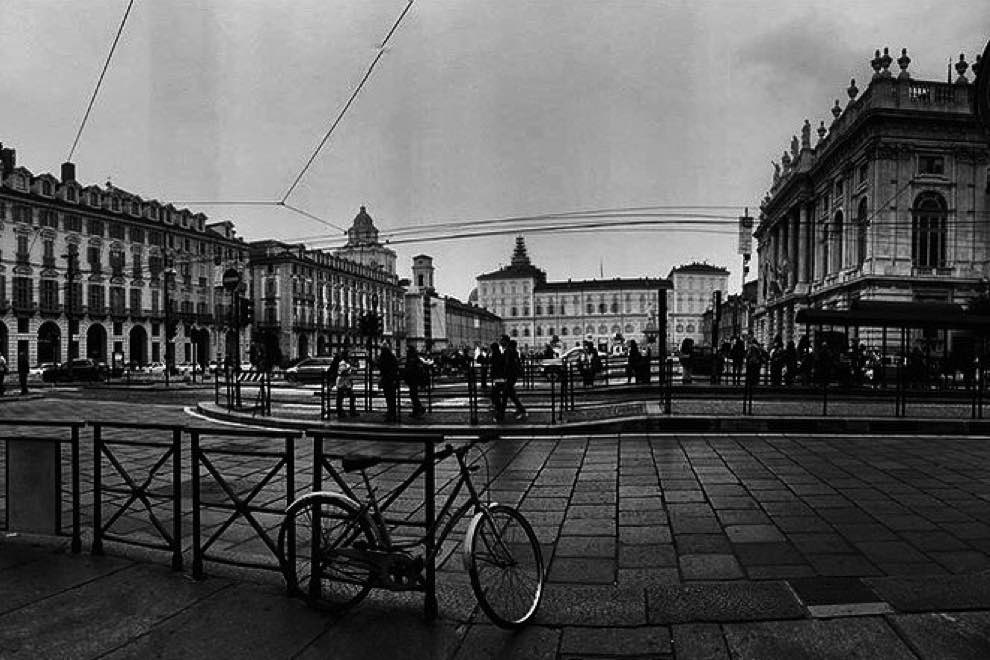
(97, 548)
(430, 605)
(177, 499)
(197, 566)
(216, 389)
(429, 389)
(472, 388)
(553, 402)
(76, 497)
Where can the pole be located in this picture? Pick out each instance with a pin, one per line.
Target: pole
(168, 324)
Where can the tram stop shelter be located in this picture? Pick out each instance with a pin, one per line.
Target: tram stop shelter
(901, 318)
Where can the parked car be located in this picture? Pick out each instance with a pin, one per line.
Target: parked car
(155, 368)
(308, 370)
(78, 369)
(39, 369)
(247, 366)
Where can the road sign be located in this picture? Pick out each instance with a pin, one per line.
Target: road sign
(231, 279)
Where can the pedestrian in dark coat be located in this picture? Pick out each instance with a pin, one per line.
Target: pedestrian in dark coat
(633, 368)
(388, 370)
(513, 369)
(414, 373)
(496, 359)
(23, 365)
(738, 355)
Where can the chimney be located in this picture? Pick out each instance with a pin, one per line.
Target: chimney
(68, 172)
(8, 160)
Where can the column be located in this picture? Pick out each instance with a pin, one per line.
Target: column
(802, 244)
(797, 258)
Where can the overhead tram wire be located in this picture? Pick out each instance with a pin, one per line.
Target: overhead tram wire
(99, 81)
(309, 215)
(343, 111)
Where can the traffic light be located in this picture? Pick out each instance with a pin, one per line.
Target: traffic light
(246, 311)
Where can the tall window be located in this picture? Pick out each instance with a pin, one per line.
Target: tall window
(97, 298)
(928, 231)
(22, 291)
(23, 249)
(862, 227)
(837, 234)
(49, 294)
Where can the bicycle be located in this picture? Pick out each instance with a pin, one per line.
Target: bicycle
(349, 548)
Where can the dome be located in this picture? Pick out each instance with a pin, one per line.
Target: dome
(362, 231)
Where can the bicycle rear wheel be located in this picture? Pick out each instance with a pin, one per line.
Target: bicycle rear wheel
(505, 563)
(331, 575)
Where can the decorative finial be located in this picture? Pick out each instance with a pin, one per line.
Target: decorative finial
(903, 61)
(786, 161)
(961, 66)
(836, 109)
(977, 64)
(852, 90)
(885, 62)
(794, 147)
(875, 63)
(806, 135)
(822, 131)
(776, 172)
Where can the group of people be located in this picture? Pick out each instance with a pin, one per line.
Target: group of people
(23, 368)
(503, 367)
(414, 372)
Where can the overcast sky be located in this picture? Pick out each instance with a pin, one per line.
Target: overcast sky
(477, 110)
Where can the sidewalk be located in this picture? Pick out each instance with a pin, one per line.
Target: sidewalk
(55, 605)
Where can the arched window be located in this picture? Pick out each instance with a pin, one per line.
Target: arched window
(550, 309)
(601, 308)
(551, 331)
(928, 231)
(590, 330)
(515, 332)
(615, 307)
(526, 331)
(603, 329)
(826, 267)
(862, 228)
(539, 309)
(690, 327)
(629, 328)
(590, 308)
(526, 310)
(577, 330)
(514, 311)
(680, 327)
(837, 232)
(539, 331)
(563, 331)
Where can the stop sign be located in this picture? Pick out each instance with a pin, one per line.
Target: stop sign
(231, 279)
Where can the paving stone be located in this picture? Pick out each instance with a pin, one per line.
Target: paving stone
(707, 525)
(593, 497)
(588, 527)
(754, 534)
(640, 504)
(644, 556)
(962, 561)
(721, 601)
(937, 592)
(762, 554)
(742, 517)
(689, 509)
(785, 572)
(592, 605)
(710, 567)
(528, 643)
(585, 546)
(865, 638)
(891, 551)
(842, 565)
(643, 641)
(815, 543)
(634, 535)
(652, 517)
(683, 496)
(936, 540)
(592, 511)
(699, 641)
(805, 524)
(726, 502)
(582, 570)
(872, 532)
(959, 635)
(699, 544)
(645, 577)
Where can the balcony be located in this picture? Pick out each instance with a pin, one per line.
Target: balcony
(204, 319)
(48, 262)
(50, 309)
(118, 313)
(138, 314)
(21, 307)
(303, 326)
(23, 258)
(97, 311)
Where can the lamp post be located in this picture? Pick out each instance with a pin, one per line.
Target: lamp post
(169, 336)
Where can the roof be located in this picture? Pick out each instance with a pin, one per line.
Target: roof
(606, 285)
(515, 271)
(696, 267)
(875, 313)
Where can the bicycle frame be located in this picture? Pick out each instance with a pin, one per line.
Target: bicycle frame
(375, 509)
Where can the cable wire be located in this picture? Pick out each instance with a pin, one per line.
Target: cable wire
(99, 82)
(357, 90)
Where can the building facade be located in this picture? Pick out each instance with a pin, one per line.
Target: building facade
(310, 302)
(90, 271)
(441, 323)
(534, 310)
(890, 204)
(736, 318)
(693, 286)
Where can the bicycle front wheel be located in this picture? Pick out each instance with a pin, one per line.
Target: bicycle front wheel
(505, 563)
(320, 545)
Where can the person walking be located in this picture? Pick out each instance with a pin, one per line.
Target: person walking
(345, 385)
(414, 373)
(388, 370)
(513, 369)
(496, 360)
(633, 367)
(754, 362)
(23, 365)
(687, 360)
(738, 355)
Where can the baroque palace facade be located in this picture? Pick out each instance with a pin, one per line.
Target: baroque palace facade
(890, 204)
(310, 302)
(534, 310)
(84, 272)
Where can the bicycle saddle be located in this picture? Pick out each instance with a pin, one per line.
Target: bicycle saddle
(358, 462)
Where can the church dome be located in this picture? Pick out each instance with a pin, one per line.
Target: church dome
(363, 230)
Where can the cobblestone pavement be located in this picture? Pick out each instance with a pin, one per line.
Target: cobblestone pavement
(655, 544)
